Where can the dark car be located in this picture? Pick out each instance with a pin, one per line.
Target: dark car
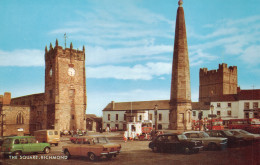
(175, 143)
(233, 140)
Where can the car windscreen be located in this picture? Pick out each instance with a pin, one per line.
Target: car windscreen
(182, 137)
(203, 135)
(228, 133)
(100, 140)
(244, 132)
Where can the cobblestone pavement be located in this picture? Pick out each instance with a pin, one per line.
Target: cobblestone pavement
(138, 153)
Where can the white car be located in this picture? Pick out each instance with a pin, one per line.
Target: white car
(208, 142)
(247, 136)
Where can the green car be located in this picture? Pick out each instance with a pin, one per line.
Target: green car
(17, 145)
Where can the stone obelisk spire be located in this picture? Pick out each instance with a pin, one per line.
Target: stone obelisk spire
(180, 101)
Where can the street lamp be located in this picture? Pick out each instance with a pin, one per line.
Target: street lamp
(211, 108)
(155, 115)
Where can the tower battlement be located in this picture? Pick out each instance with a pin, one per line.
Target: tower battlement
(64, 53)
(218, 82)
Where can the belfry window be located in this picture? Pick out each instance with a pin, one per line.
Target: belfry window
(19, 118)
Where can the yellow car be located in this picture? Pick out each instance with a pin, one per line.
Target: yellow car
(92, 147)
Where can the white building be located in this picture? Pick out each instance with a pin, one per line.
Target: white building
(245, 104)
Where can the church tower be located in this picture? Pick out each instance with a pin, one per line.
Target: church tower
(180, 101)
(65, 88)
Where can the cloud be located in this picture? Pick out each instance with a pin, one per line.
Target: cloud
(137, 72)
(22, 57)
(118, 24)
(251, 55)
(99, 55)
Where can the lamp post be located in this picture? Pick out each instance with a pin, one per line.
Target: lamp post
(211, 109)
(155, 115)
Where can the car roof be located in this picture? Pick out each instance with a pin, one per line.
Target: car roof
(19, 137)
(192, 132)
(168, 134)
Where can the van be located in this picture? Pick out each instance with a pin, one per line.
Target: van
(48, 136)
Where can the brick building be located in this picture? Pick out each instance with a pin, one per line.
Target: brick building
(63, 104)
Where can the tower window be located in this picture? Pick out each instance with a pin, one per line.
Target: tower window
(72, 117)
(124, 116)
(108, 117)
(140, 118)
(229, 104)
(116, 116)
(218, 105)
(19, 118)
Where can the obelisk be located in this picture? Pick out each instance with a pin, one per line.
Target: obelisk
(180, 101)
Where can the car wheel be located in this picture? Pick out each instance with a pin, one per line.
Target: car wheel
(109, 156)
(17, 153)
(92, 156)
(46, 150)
(196, 150)
(67, 153)
(213, 146)
(186, 150)
(155, 149)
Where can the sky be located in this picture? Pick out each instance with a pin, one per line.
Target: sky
(129, 44)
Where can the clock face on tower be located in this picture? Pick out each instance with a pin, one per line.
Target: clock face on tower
(71, 71)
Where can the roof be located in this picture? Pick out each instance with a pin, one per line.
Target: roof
(253, 94)
(138, 105)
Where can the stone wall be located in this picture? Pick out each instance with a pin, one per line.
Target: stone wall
(217, 82)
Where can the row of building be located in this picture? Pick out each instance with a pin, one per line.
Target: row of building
(219, 95)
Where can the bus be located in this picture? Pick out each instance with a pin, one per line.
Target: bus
(48, 136)
(251, 124)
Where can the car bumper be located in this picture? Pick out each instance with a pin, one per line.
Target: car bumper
(110, 153)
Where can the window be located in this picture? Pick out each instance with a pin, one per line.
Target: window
(124, 116)
(229, 113)
(194, 113)
(255, 105)
(50, 93)
(246, 115)
(150, 116)
(229, 104)
(140, 117)
(116, 116)
(72, 117)
(255, 115)
(24, 141)
(108, 117)
(246, 105)
(218, 105)
(218, 113)
(50, 133)
(160, 117)
(19, 118)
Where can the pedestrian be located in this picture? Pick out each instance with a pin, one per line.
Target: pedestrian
(125, 136)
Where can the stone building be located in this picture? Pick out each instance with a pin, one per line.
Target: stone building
(218, 82)
(93, 123)
(63, 104)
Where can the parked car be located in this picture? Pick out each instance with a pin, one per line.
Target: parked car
(174, 142)
(248, 137)
(93, 147)
(74, 137)
(212, 143)
(18, 145)
(233, 140)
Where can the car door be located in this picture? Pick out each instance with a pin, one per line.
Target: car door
(35, 147)
(25, 145)
(173, 144)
